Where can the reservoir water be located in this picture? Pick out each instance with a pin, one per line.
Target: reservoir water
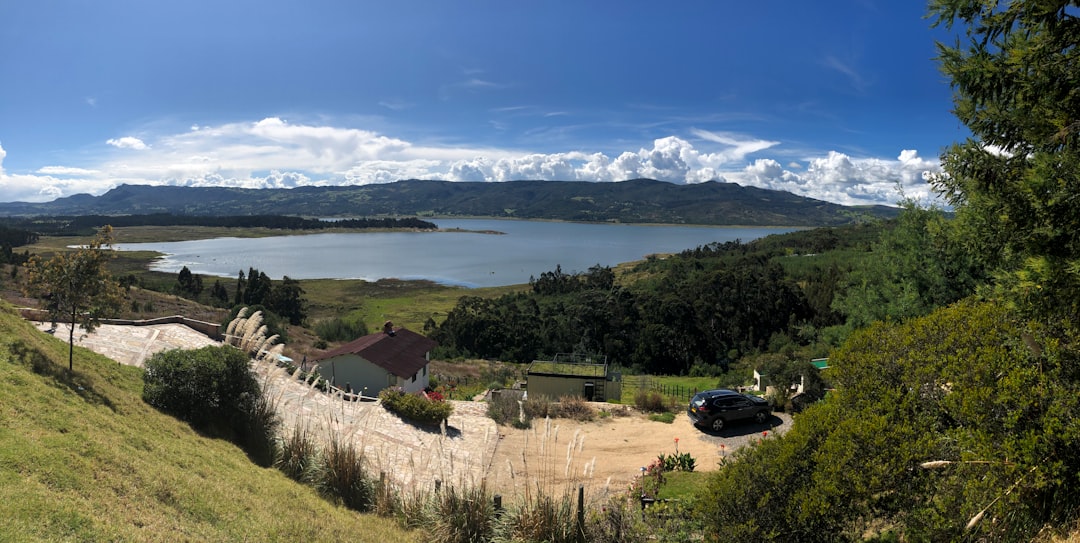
(525, 249)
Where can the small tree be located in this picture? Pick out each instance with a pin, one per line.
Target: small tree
(77, 287)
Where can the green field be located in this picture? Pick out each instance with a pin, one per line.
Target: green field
(678, 389)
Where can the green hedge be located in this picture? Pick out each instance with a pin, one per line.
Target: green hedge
(414, 407)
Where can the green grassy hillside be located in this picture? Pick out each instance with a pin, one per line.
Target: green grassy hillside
(82, 458)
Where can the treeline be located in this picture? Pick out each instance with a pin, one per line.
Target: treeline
(10, 238)
(87, 224)
(709, 307)
(277, 222)
(699, 310)
(688, 318)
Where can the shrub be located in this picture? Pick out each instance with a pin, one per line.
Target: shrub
(299, 457)
(538, 407)
(415, 408)
(213, 389)
(543, 518)
(677, 462)
(344, 477)
(258, 431)
(649, 400)
(576, 408)
(463, 516)
(617, 521)
(503, 409)
(206, 387)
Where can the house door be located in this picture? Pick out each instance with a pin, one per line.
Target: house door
(590, 391)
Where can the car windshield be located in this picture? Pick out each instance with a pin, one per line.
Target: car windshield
(698, 401)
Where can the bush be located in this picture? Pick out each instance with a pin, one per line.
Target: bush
(649, 400)
(207, 387)
(213, 389)
(503, 409)
(344, 477)
(576, 408)
(462, 516)
(414, 407)
(538, 406)
(299, 457)
(543, 518)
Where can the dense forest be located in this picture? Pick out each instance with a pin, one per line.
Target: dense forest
(86, 224)
(706, 308)
(11, 238)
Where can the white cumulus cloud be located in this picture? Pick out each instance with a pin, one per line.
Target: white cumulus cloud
(274, 152)
(128, 142)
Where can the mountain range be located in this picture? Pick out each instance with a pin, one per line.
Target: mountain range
(634, 201)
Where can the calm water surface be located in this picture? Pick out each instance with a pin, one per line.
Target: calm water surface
(526, 250)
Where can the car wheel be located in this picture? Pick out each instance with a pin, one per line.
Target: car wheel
(717, 424)
(760, 417)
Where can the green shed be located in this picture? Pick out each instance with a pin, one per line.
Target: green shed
(587, 376)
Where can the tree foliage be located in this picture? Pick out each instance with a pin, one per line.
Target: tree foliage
(76, 286)
(688, 312)
(284, 299)
(1014, 183)
(187, 283)
(207, 386)
(990, 399)
(919, 264)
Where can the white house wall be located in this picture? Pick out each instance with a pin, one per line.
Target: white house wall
(422, 380)
(359, 373)
(356, 372)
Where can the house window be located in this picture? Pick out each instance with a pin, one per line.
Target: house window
(425, 370)
(414, 376)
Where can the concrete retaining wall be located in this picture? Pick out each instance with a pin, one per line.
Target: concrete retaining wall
(210, 329)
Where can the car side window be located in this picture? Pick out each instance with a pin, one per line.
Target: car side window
(723, 402)
(742, 402)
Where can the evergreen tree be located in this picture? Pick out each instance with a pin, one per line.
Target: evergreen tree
(1015, 182)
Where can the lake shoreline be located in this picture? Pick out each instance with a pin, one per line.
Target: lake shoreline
(521, 250)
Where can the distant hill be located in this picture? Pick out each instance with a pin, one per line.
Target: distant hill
(635, 201)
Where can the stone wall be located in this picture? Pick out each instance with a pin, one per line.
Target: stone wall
(210, 329)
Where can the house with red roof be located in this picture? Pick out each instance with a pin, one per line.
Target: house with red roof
(394, 357)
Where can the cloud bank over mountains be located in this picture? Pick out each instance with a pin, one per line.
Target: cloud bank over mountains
(273, 153)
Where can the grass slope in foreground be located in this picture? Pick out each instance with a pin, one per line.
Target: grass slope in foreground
(82, 458)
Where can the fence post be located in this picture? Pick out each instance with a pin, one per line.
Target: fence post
(581, 512)
(498, 506)
(438, 485)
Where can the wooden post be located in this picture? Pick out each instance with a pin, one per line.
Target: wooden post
(581, 512)
(438, 485)
(498, 506)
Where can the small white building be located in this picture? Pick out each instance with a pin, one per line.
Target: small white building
(390, 358)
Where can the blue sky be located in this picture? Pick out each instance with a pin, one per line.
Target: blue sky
(838, 99)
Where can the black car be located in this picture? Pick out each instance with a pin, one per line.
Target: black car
(713, 409)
